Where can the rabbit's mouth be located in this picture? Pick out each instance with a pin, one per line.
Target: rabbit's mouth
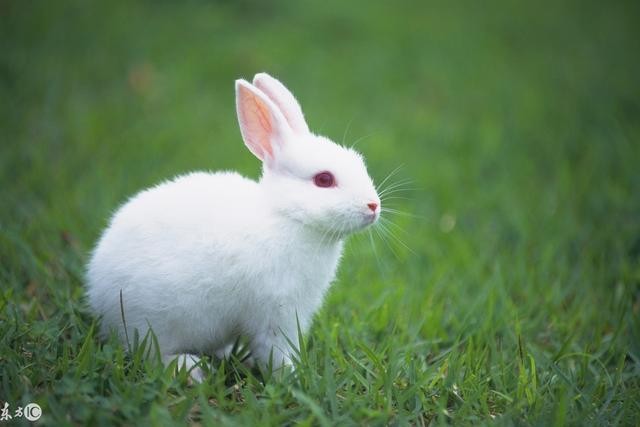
(342, 228)
(371, 218)
(372, 213)
(364, 220)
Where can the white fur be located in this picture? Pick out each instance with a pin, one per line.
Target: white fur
(207, 257)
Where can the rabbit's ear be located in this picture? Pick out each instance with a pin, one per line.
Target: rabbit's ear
(284, 99)
(262, 125)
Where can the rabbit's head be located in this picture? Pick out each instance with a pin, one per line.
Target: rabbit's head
(309, 178)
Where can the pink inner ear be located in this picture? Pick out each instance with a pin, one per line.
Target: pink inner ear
(277, 99)
(264, 117)
(286, 102)
(256, 123)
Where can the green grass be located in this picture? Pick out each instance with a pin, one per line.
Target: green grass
(518, 301)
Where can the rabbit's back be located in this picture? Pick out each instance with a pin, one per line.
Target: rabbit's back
(174, 251)
(181, 215)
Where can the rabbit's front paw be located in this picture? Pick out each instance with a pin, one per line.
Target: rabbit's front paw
(270, 347)
(189, 362)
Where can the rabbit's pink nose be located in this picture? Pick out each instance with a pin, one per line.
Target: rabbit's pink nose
(372, 206)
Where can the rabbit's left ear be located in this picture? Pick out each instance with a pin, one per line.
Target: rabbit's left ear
(262, 124)
(285, 101)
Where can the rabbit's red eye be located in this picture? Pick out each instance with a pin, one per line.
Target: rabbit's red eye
(324, 179)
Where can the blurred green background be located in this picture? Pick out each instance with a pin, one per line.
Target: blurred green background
(514, 295)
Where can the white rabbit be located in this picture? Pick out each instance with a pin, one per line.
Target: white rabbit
(207, 257)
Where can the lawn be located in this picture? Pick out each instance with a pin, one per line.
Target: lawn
(507, 290)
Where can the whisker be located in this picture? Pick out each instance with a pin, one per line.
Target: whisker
(394, 198)
(397, 190)
(375, 252)
(402, 213)
(396, 184)
(326, 234)
(396, 226)
(346, 131)
(362, 138)
(386, 242)
(396, 238)
(393, 172)
(337, 231)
